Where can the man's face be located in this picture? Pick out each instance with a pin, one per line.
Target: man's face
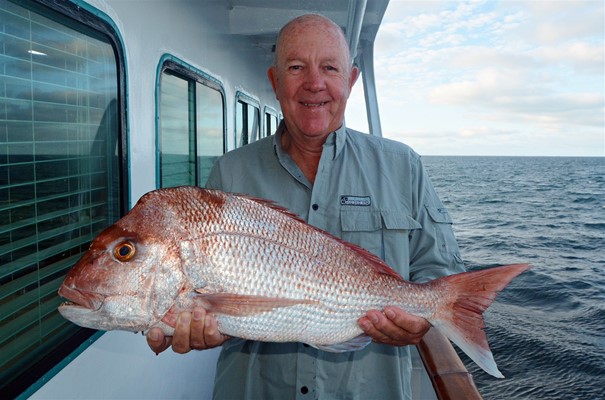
(312, 79)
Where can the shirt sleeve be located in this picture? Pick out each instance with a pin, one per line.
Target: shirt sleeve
(215, 178)
(434, 250)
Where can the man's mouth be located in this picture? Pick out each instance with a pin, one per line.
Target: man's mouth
(315, 104)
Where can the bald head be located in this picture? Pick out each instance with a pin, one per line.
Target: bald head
(312, 22)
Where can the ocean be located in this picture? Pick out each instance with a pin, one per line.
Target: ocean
(547, 328)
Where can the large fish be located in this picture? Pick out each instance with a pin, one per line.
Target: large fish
(264, 273)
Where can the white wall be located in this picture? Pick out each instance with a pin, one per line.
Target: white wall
(196, 32)
(120, 365)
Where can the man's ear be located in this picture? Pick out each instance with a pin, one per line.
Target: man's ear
(353, 77)
(272, 75)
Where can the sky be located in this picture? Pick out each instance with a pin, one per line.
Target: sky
(513, 78)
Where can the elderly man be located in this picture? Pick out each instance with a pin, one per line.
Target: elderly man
(370, 191)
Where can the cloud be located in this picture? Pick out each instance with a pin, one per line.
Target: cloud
(560, 21)
(493, 76)
(581, 56)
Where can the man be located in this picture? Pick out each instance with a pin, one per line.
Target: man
(366, 190)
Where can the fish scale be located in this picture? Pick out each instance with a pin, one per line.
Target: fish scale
(300, 270)
(264, 273)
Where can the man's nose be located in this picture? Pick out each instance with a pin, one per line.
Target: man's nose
(314, 79)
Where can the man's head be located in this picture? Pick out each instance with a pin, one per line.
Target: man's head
(312, 75)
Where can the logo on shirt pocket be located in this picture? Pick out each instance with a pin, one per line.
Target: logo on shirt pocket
(348, 200)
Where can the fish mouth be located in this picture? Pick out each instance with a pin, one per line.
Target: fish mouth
(81, 298)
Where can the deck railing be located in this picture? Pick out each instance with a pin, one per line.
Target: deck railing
(449, 376)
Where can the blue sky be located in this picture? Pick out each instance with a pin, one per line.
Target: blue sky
(491, 77)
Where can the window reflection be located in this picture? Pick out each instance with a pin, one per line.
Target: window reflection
(59, 175)
(271, 122)
(191, 131)
(247, 122)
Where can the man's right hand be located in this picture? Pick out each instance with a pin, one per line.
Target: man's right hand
(196, 330)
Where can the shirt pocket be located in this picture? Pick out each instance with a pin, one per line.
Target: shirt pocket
(443, 229)
(383, 232)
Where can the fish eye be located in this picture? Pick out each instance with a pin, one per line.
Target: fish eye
(124, 251)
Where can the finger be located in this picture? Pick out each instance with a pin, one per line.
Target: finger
(412, 324)
(399, 330)
(197, 332)
(211, 333)
(157, 341)
(370, 324)
(180, 340)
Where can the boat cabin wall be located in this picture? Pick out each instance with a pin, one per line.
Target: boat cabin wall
(199, 35)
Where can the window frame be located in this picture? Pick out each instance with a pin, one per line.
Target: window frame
(190, 73)
(272, 112)
(242, 97)
(35, 375)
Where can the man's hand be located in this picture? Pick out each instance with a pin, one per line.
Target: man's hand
(195, 330)
(394, 326)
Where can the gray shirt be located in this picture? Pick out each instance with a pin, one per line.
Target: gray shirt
(369, 191)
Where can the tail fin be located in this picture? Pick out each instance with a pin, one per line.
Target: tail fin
(461, 320)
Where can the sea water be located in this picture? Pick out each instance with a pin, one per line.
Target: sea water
(547, 328)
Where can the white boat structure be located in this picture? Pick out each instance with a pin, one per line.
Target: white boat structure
(102, 101)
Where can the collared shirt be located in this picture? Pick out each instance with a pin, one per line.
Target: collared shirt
(370, 191)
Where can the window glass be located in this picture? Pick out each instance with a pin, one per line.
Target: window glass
(210, 131)
(60, 174)
(253, 122)
(191, 129)
(270, 123)
(177, 134)
(247, 122)
(241, 126)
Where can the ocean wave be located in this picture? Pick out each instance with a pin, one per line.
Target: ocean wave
(547, 328)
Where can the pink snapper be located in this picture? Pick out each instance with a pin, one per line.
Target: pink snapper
(265, 274)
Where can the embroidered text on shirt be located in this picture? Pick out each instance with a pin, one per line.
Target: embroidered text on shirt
(348, 200)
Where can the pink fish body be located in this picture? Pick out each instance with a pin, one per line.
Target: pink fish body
(264, 273)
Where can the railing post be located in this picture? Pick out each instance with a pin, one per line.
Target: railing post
(449, 376)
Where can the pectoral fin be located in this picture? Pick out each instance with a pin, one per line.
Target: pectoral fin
(241, 305)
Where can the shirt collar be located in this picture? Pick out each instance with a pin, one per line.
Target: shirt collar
(339, 137)
(336, 139)
(284, 158)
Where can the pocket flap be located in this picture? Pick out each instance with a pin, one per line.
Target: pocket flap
(399, 220)
(439, 214)
(360, 221)
(373, 220)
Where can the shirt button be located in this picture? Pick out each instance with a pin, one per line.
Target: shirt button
(304, 390)
(314, 207)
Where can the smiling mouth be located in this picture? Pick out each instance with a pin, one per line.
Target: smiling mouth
(315, 104)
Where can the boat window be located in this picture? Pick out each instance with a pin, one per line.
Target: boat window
(271, 121)
(61, 165)
(191, 125)
(247, 120)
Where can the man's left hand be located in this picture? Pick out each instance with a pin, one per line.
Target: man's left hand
(393, 326)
